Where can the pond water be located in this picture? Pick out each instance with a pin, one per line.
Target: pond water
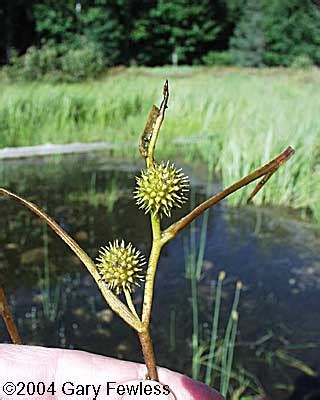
(56, 303)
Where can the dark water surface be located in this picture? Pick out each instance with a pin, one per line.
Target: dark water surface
(56, 303)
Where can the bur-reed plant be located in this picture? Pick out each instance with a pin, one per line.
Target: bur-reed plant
(161, 187)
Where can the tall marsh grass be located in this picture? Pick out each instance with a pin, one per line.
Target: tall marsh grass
(247, 116)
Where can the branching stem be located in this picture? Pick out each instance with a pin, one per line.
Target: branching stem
(154, 122)
(266, 171)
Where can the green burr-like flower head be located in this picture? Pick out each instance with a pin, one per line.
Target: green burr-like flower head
(161, 188)
(120, 266)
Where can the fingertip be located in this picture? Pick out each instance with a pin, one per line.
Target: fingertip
(200, 391)
(186, 388)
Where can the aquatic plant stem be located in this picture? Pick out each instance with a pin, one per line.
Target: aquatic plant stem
(151, 270)
(145, 339)
(229, 342)
(130, 303)
(149, 139)
(8, 319)
(214, 328)
(266, 170)
(195, 326)
(148, 354)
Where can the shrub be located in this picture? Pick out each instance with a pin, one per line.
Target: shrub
(31, 64)
(302, 61)
(82, 63)
(15, 65)
(34, 64)
(218, 58)
(69, 62)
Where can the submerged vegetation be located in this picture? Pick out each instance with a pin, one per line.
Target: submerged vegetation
(244, 116)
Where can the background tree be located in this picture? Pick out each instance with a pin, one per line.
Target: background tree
(100, 23)
(185, 25)
(292, 29)
(269, 32)
(248, 42)
(55, 21)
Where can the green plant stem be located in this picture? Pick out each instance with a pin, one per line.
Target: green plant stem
(230, 354)
(228, 344)
(202, 245)
(130, 303)
(195, 325)
(151, 270)
(145, 339)
(193, 244)
(214, 332)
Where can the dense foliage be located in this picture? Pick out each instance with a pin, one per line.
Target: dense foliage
(159, 32)
(53, 62)
(292, 29)
(247, 45)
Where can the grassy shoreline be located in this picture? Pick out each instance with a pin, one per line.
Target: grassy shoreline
(239, 118)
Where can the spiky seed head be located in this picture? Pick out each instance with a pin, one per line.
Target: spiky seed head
(161, 188)
(120, 266)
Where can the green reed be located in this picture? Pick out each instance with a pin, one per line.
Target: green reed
(248, 115)
(229, 343)
(50, 294)
(214, 330)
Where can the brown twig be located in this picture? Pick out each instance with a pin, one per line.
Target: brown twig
(157, 124)
(148, 130)
(260, 184)
(8, 319)
(266, 170)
